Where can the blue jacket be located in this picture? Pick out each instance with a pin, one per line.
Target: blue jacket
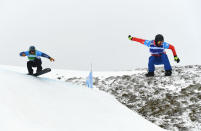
(37, 55)
(155, 49)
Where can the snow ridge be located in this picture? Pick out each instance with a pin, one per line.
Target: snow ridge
(28, 103)
(173, 103)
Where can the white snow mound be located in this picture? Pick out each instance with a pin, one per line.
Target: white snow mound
(28, 103)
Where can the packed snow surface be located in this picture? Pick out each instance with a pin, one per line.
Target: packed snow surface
(30, 103)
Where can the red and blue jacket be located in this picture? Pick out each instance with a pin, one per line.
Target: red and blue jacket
(155, 50)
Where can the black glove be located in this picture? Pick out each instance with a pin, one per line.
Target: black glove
(176, 59)
(130, 37)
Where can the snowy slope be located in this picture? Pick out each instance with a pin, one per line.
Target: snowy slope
(39, 104)
(173, 103)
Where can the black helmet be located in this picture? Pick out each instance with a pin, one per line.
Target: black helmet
(32, 48)
(159, 37)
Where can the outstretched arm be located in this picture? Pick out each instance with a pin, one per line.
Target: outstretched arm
(138, 40)
(24, 53)
(171, 47)
(45, 55)
(142, 41)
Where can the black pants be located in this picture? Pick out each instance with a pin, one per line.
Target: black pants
(35, 63)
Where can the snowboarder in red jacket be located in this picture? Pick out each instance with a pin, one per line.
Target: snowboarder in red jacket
(158, 55)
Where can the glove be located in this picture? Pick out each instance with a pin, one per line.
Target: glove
(176, 59)
(23, 54)
(130, 37)
(51, 59)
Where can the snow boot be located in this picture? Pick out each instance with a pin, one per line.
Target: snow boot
(29, 73)
(149, 74)
(168, 72)
(38, 70)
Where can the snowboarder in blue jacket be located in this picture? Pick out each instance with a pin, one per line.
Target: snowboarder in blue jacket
(34, 59)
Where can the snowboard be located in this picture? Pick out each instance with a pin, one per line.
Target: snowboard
(44, 71)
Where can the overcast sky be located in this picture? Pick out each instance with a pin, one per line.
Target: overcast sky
(78, 32)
